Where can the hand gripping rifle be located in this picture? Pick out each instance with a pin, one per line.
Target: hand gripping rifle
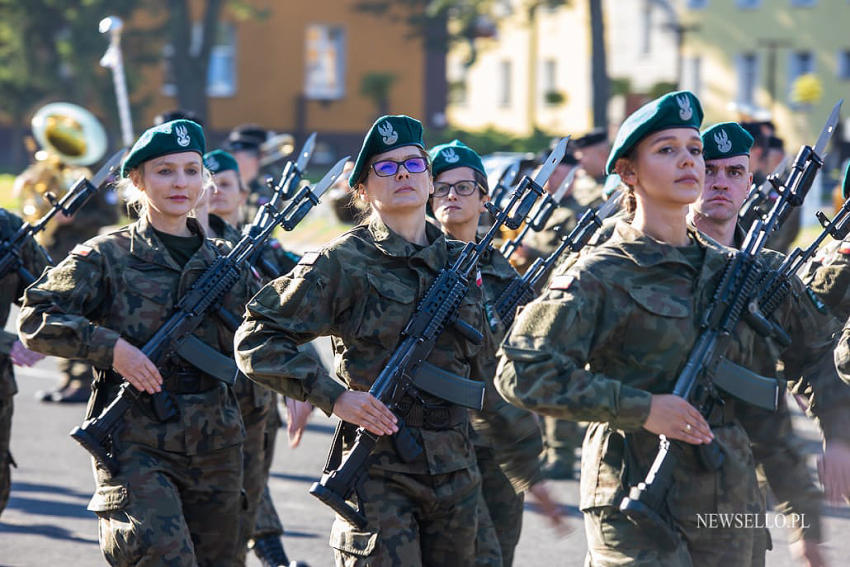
(70, 203)
(407, 373)
(175, 335)
(542, 213)
(740, 283)
(522, 290)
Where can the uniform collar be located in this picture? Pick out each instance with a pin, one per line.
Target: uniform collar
(392, 244)
(646, 251)
(146, 245)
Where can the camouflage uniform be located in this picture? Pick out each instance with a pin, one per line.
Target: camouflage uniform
(561, 436)
(630, 308)
(179, 481)
(420, 513)
(503, 506)
(101, 210)
(12, 287)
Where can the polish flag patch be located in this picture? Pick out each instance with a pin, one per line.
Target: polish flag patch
(562, 282)
(82, 250)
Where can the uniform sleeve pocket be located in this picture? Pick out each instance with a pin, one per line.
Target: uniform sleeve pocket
(109, 497)
(347, 540)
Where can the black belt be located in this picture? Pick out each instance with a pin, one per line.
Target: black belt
(184, 380)
(435, 417)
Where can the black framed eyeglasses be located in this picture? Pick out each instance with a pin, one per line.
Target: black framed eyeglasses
(463, 188)
(388, 167)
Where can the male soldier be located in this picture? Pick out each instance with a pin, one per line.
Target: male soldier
(779, 460)
(591, 150)
(244, 143)
(12, 286)
(59, 237)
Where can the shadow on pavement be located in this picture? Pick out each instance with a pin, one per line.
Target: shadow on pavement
(49, 488)
(36, 506)
(47, 530)
(297, 477)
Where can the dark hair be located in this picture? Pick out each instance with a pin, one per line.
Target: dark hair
(176, 114)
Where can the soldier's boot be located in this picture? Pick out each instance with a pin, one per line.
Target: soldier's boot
(269, 550)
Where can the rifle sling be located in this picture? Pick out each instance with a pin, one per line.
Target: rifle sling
(205, 358)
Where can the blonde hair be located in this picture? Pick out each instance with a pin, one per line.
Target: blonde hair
(135, 199)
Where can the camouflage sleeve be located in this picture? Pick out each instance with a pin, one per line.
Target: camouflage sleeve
(828, 399)
(54, 316)
(549, 377)
(828, 275)
(511, 431)
(781, 462)
(34, 259)
(288, 312)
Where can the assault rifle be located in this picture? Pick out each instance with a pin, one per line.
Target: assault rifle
(739, 285)
(407, 373)
(175, 335)
(759, 199)
(77, 196)
(286, 187)
(522, 290)
(541, 214)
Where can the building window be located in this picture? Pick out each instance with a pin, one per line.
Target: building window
(550, 80)
(844, 64)
(505, 83)
(324, 64)
(799, 63)
(221, 70)
(692, 75)
(748, 4)
(747, 64)
(697, 4)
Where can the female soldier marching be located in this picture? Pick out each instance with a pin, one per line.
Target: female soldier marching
(362, 289)
(176, 497)
(626, 315)
(460, 191)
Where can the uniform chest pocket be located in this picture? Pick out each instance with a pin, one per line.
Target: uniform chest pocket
(149, 286)
(659, 322)
(388, 308)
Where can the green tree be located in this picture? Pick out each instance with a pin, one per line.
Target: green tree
(49, 50)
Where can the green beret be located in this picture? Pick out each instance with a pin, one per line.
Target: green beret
(725, 140)
(172, 137)
(845, 188)
(680, 109)
(387, 133)
(219, 160)
(453, 155)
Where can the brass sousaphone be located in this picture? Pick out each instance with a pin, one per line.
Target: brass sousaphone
(70, 138)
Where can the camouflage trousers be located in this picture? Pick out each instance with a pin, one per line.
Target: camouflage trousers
(499, 516)
(267, 522)
(254, 477)
(414, 520)
(561, 437)
(614, 541)
(75, 373)
(170, 509)
(6, 408)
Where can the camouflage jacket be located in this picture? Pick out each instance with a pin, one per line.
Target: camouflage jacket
(630, 309)
(361, 290)
(125, 284)
(513, 430)
(11, 288)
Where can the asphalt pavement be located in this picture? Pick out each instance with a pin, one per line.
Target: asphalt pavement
(46, 521)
